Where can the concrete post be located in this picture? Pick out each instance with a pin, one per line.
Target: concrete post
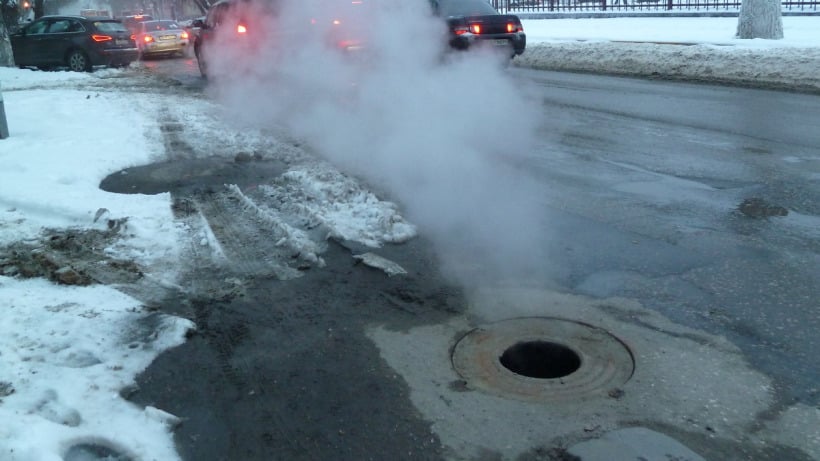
(4, 127)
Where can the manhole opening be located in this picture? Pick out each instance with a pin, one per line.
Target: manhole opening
(540, 359)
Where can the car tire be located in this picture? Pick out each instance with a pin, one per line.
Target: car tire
(78, 61)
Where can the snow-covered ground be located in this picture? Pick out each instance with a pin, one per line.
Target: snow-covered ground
(692, 48)
(66, 352)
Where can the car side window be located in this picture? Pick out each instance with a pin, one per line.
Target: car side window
(59, 26)
(75, 26)
(37, 28)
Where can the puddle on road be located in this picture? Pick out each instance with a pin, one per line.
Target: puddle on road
(192, 174)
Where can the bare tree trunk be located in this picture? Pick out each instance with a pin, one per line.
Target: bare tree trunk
(6, 56)
(760, 19)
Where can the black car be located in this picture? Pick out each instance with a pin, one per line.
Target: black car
(474, 23)
(76, 42)
(231, 16)
(239, 27)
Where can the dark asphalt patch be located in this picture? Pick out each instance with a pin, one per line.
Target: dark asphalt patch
(286, 371)
(186, 175)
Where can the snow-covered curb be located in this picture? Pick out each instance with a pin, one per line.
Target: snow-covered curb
(766, 68)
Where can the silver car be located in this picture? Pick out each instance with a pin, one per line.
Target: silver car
(161, 37)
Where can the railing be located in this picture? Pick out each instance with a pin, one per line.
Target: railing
(683, 6)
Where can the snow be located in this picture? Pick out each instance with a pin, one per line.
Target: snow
(692, 48)
(67, 352)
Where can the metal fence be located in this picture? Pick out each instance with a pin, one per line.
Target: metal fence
(638, 6)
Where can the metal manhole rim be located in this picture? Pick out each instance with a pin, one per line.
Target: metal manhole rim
(602, 369)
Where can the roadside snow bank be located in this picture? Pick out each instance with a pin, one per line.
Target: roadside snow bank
(776, 68)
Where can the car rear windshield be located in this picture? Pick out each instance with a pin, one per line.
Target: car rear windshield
(465, 8)
(110, 26)
(159, 25)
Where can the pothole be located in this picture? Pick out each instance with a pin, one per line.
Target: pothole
(543, 359)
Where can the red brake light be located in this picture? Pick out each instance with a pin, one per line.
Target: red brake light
(183, 34)
(460, 30)
(510, 27)
(241, 29)
(101, 38)
(475, 28)
(148, 39)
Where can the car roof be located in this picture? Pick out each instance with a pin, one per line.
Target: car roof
(63, 16)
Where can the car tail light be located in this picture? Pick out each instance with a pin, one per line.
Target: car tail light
(101, 38)
(148, 39)
(512, 27)
(475, 28)
(241, 29)
(183, 34)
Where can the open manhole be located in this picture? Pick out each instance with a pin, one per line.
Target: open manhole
(543, 359)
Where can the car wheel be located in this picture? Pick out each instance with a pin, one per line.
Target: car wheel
(78, 61)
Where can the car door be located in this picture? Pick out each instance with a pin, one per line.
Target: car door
(26, 44)
(60, 37)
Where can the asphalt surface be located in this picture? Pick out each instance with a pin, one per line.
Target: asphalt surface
(663, 228)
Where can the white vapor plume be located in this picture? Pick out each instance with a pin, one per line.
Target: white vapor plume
(438, 130)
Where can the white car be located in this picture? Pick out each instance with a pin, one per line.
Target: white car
(161, 37)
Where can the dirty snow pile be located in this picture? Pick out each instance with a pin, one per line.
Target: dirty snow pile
(688, 48)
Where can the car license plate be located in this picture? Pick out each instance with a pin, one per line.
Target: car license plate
(123, 42)
(168, 37)
(502, 42)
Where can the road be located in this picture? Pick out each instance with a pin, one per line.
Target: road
(681, 220)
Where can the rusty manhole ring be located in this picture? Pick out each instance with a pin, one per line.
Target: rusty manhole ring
(543, 359)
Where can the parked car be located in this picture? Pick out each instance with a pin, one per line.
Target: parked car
(475, 23)
(160, 37)
(76, 42)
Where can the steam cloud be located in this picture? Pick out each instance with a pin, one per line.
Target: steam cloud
(440, 131)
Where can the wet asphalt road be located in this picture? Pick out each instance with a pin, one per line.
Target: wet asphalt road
(673, 194)
(702, 203)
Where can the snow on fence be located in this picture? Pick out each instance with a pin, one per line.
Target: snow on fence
(668, 6)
